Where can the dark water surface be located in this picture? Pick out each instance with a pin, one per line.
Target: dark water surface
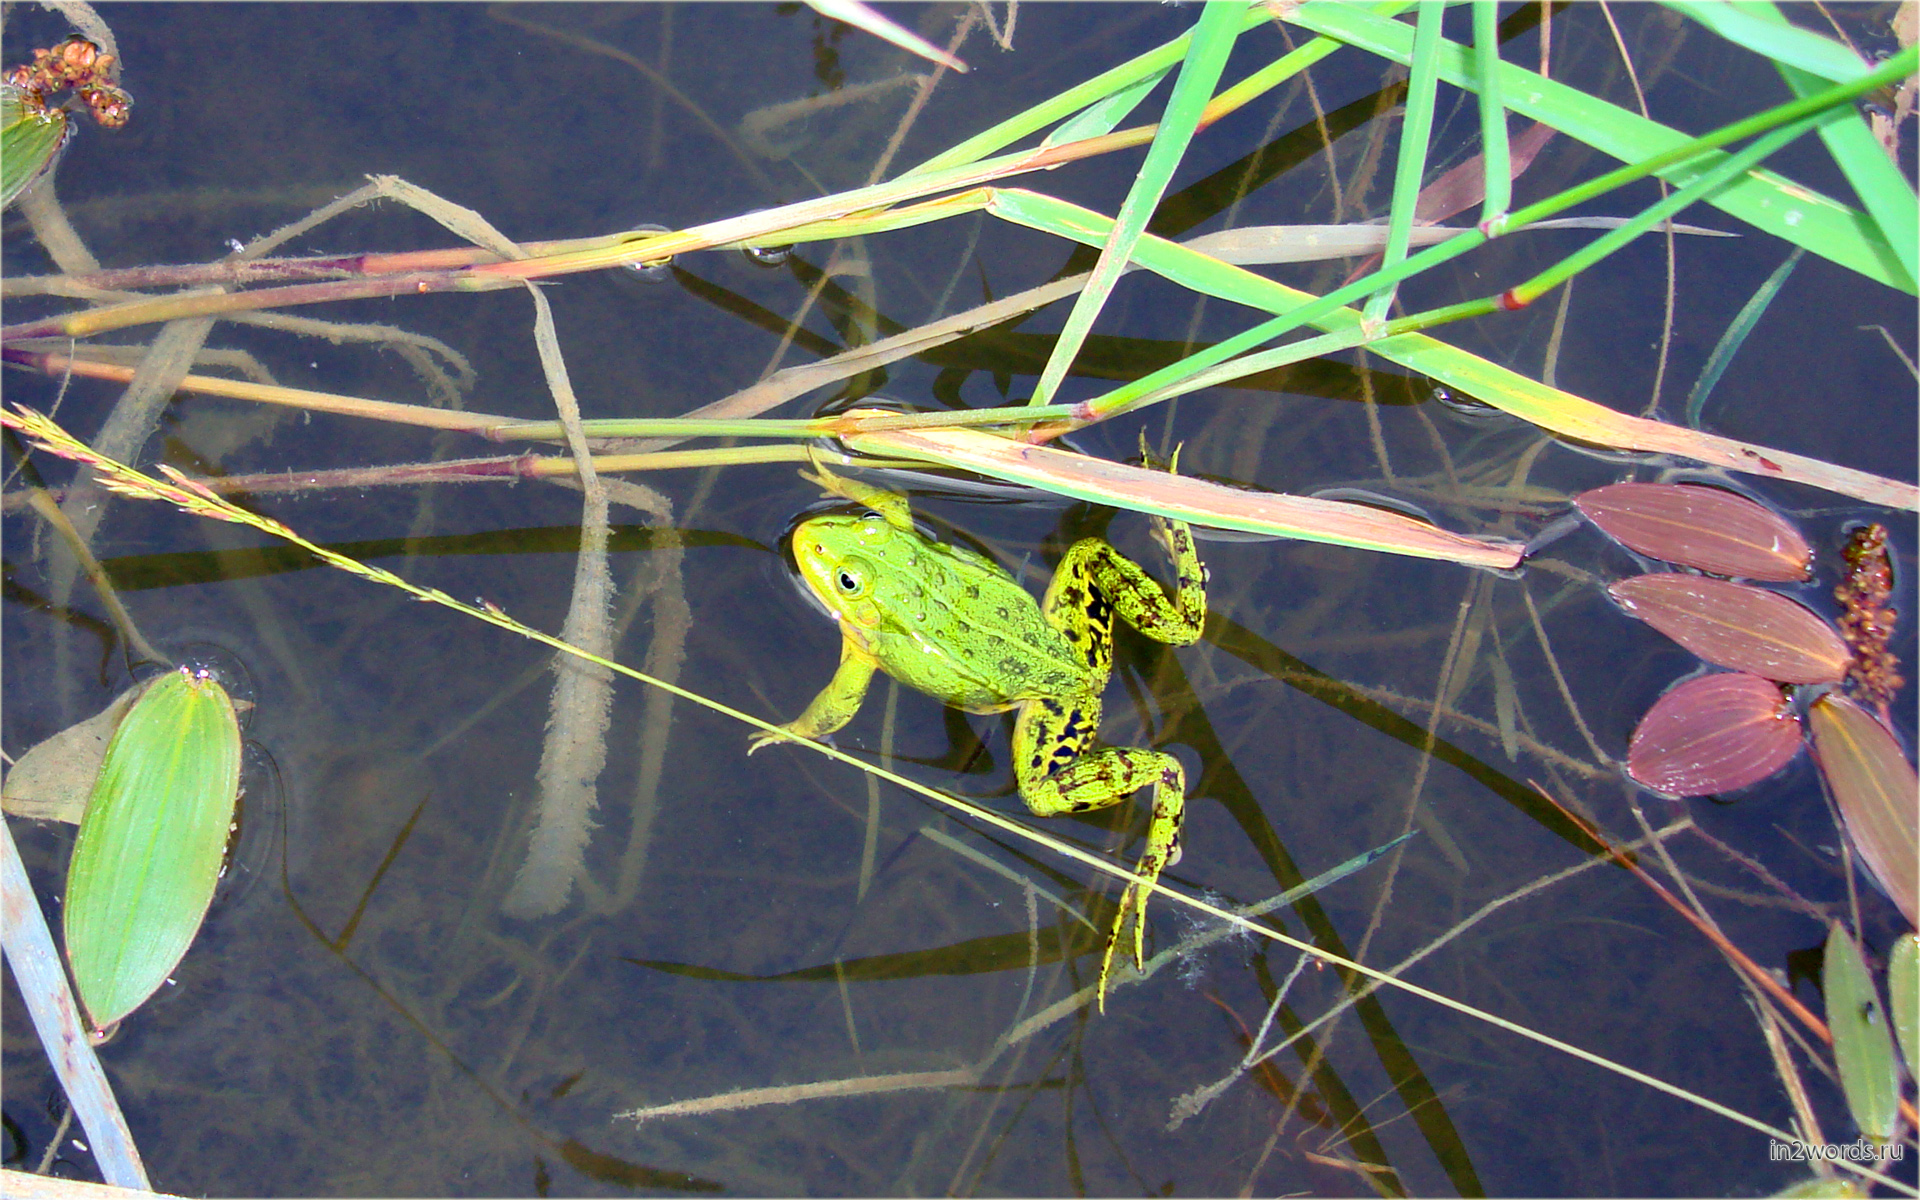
(360, 1018)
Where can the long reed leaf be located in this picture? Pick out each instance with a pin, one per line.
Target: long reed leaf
(1548, 407)
(1763, 29)
(1416, 128)
(1735, 337)
(1493, 110)
(1763, 198)
(1184, 498)
(1213, 39)
(1876, 179)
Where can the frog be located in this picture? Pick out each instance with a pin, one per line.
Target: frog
(951, 622)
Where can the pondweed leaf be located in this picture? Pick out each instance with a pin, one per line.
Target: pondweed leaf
(1862, 1046)
(1876, 789)
(1714, 734)
(148, 853)
(1701, 527)
(31, 136)
(1733, 625)
(1903, 989)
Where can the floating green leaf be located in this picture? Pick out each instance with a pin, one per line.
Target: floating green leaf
(1862, 1047)
(148, 854)
(1903, 987)
(30, 138)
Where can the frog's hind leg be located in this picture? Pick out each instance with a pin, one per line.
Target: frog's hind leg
(1058, 775)
(1094, 582)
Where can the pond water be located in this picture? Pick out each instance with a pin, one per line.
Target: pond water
(359, 1015)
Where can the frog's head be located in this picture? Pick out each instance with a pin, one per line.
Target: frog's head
(850, 564)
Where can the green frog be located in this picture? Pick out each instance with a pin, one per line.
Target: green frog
(956, 625)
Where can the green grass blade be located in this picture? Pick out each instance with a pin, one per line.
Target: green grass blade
(1415, 131)
(1548, 407)
(1763, 199)
(1064, 105)
(1701, 187)
(1082, 225)
(148, 853)
(1290, 64)
(868, 21)
(1126, 75)
(1493, 112)
(1862, 1044)
(1762, 29)
(1882, 190)
(1213, 39)
(1103, 116)
(1736, 337)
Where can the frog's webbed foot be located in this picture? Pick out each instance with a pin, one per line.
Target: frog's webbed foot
(1163, 850)
(764, 738)
(1154, 462)
(832, 708)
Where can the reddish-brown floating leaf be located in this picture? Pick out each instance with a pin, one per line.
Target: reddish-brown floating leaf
(1877, 791)
(1714, 734)
(1733, 625)
(1701, 527)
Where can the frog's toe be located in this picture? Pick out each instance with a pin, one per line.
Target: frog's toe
(1133, 909)
(1154, 462)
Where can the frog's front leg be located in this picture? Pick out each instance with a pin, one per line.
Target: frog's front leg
(889, 504)
(836, 703)
(1058, 775)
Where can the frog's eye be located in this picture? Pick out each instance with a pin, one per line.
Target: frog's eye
(850, 584)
